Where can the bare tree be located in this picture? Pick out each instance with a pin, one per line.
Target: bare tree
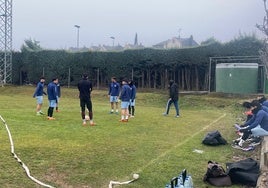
(264, 28)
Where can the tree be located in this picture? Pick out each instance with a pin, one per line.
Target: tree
(31, 45)
(210, 40)
(264, 28)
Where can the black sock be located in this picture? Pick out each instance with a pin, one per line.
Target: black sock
(50, 111)
(133, 110)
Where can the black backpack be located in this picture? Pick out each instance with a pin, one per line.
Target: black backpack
(244, 172)
(214, 138)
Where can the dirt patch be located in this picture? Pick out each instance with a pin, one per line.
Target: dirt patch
(59, 180)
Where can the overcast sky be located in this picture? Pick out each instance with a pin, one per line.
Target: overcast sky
(52, 21)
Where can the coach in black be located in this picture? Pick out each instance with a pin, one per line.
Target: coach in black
(85, 88)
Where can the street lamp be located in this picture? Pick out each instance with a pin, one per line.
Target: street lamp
(113, 40)
(77, 42)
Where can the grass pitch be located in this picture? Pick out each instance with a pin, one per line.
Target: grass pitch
(63, 153)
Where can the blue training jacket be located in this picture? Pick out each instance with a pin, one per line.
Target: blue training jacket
(133, 92)
(125, 93)
(114, 89)
(261, 118)
(52, 91)
(39, 89)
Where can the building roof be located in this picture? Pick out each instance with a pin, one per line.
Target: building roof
(177, 42)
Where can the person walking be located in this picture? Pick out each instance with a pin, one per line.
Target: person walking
(52, 97)
(113, 94)
(125, 98)
(173, 98)
(38, 94)
(131, 107)
(85, 89)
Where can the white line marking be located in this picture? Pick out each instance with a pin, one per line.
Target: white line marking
(179, 144)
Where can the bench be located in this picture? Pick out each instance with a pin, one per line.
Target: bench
(263, 178)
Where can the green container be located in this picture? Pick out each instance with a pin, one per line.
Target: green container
(240, 78)
(266, 86)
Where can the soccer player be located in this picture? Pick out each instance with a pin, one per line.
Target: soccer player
(125, 98)
(85, 88)
(38, 94)
(113, 94)
(52, 97)
(131, 107)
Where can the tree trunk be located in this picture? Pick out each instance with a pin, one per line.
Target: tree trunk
(149, 78)
(155, 78)
(166, 79)
(196, 78)
(142, 79)
(182, 78)
(187, 78)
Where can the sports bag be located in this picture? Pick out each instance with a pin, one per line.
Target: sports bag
(214, 138)
(244, 172)
(216, 175)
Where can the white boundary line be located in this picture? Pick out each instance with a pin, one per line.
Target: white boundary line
(18, 159)
(179, 144)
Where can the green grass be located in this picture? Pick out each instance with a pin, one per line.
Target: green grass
(63, 153)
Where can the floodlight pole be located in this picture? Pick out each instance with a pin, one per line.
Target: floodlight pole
(77, 39)
(113, 40)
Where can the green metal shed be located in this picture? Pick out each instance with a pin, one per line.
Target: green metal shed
(239, 78)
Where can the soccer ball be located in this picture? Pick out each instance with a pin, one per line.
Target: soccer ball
(135, 176)
(87, 117)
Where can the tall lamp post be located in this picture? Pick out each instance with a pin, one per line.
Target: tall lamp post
(113, 40)
(77, 41)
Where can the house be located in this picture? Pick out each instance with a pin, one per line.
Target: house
(177, 42)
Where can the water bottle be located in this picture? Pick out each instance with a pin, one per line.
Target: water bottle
(191, 182)
(174, 182)
(179, 180)
(187, 183)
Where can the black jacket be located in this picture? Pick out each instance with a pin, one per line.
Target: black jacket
(174, 92)
(85, 88)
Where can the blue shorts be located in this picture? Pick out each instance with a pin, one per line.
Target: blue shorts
(52, 103)
(39, 99)
(124, 104)
(132, 103)
(113, 98)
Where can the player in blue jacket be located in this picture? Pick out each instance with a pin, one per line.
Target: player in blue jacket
(113, 94)
(125, 98)
(38, 94)
(52, 97)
